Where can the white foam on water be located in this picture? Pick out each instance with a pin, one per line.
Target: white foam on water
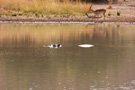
(86, 45)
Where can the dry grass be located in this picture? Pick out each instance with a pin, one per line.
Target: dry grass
(41, 8)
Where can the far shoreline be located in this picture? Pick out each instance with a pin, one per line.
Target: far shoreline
(63, 22)
(80, 19)
(126, 15)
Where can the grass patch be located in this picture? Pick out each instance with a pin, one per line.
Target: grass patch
(8, 14)
(20, 14)
(13, 14)
(42, 8)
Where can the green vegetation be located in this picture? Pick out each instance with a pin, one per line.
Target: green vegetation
(109, 14)
(14, 14)
(118, 13)
(0, 14)
(37, 14)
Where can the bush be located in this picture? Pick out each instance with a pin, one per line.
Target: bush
(109, 14)
(118, 13)
(37, 14)
(0, 14)
(14, 14)
(20, 14)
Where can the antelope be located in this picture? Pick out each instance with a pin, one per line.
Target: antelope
(97, 12)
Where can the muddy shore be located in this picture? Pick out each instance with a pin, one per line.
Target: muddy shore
(68, 19)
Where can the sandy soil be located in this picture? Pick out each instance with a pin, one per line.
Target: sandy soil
(126, 9)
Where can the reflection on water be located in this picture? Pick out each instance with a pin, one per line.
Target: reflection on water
(26, 65)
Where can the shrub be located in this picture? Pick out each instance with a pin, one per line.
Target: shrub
(20, 14)
(109, 14)
(118, 13)
(37, 14)
(14, 14)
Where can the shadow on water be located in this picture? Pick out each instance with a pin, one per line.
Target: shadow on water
(26, 65)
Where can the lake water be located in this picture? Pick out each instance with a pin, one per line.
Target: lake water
(26, 63)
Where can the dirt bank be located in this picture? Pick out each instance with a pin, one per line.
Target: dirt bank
(74, 19)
